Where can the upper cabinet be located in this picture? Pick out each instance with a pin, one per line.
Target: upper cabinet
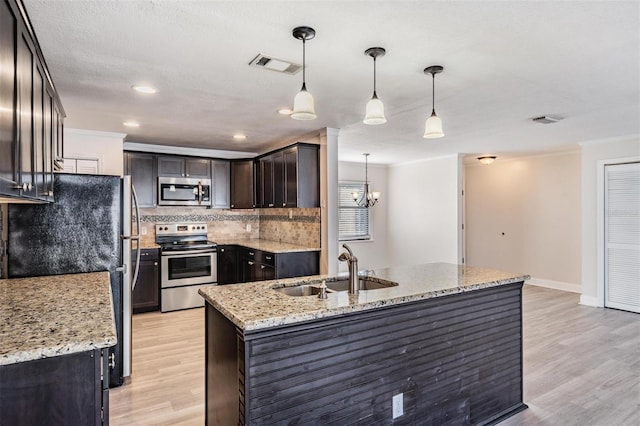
(220, 181)
(290, 177)
(242, 184)
(142, 168)
(30, 112)
(169, 166)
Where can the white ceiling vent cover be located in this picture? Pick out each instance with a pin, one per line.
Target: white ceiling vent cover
(273, 64)
(546, 119)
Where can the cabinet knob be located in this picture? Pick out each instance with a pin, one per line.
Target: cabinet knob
(187, 174)
(270, 205)
(222, 250)
(155, 263)
(284, 204)
(261, 266)
(250, 262)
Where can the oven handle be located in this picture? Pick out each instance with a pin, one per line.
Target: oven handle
(187, 253)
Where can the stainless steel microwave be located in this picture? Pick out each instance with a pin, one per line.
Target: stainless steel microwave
(184, 191)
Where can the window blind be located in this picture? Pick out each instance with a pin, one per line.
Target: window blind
(353, 220)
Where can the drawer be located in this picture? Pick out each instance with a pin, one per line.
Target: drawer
(267, 258)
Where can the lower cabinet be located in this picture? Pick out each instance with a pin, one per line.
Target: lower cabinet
(62, 390)
(238, 264)
(146, 294)
(228, 264)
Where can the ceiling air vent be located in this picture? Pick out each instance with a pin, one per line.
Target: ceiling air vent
(546, 119)
(273, 64)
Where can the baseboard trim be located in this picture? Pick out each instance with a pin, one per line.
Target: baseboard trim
(589, 301)
(556, 285)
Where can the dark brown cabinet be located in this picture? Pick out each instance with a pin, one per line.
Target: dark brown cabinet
(142, 168)
(228, 266)
(146, 294)
(259, 265)
(289, 177)
(220, 181)
(63, 390)
(31, 122)
(169, 166)
(242, 184)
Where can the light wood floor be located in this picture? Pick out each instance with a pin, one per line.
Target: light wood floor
(581, 366)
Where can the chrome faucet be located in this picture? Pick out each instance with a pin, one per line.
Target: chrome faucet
(352, 262)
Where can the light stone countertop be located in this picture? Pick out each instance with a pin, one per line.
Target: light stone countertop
(43, 317)
(256, 305)
(266, 245)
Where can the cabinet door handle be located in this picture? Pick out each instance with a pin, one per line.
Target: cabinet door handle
(270, 205)
(284, 204)
(261, 266)
(268, 257)
(251, 253)
(250, 263)
(112, 361)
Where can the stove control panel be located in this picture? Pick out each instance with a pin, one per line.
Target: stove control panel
(181, 229)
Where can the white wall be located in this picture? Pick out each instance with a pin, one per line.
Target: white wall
(422, 213)
(592, 154)
(523, 215)
(106, 147)
(371, 254)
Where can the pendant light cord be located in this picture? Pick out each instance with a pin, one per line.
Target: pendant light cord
(304, 60)
(375, 95)
(433, 93)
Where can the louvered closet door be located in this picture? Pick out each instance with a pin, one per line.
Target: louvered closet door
(622, 235)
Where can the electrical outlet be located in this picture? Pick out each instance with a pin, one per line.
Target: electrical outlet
(143, 230)
(248, 227)
(398, 406)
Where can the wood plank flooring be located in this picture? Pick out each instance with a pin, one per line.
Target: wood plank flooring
(581, 366)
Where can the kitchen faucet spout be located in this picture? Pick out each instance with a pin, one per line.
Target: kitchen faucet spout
(352, 263)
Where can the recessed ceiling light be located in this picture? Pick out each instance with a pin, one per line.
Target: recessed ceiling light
(144, 89)
(285, 111)
(131, 124)
(239, 137)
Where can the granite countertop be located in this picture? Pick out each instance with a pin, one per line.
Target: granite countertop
(266, 245)
(256, 305)
(43, 317)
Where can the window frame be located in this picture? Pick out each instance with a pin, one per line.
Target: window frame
(354, 207)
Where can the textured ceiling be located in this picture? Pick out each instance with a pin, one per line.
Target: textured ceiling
(504, 62)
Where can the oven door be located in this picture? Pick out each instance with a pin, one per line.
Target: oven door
(188, 268)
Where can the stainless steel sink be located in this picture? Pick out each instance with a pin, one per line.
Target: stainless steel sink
(364, 284)
(334, 286)
(302, 290)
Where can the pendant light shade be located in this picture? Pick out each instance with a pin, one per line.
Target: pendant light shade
(303, 106)
(433, 126)
(374, 113)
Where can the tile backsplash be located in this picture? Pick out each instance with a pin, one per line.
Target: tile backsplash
(296, 226)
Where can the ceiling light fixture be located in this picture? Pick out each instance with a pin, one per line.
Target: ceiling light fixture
(375, 108)
(131, 124)
(144, 89)
(433, 126)
(303, 108)
(240, 137)
(487, 159)
(368, 199)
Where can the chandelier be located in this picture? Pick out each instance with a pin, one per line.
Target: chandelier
(367, 199)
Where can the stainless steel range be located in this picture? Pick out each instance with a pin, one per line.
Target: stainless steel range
(188, 262)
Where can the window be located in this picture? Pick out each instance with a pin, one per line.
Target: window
(353, 220)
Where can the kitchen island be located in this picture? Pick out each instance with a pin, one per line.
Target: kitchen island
(55, 332)
(441, 344)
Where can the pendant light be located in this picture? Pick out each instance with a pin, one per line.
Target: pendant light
(433, 126)
(375, 108)
(368, 199)
(303, 108)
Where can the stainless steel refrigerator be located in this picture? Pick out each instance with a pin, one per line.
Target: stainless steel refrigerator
(89, 228)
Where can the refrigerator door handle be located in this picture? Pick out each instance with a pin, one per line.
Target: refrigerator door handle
(136, 237)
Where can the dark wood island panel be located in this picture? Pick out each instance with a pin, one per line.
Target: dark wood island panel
(456, 359)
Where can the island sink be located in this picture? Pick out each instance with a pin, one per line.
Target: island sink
(335, 286)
